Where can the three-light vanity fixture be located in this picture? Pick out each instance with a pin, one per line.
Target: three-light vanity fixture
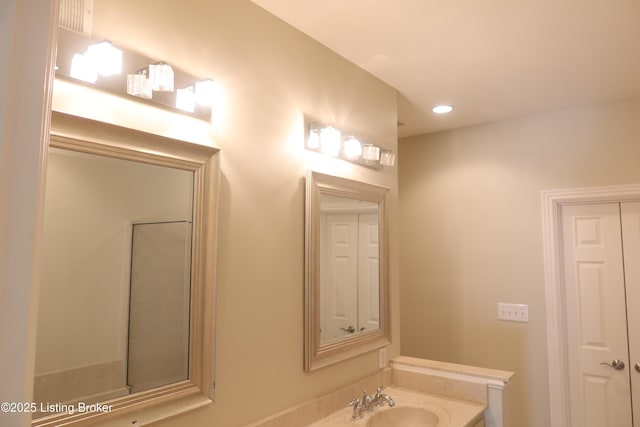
(332, 142)
(107, 67)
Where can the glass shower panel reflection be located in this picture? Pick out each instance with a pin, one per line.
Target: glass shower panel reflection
(159, 305)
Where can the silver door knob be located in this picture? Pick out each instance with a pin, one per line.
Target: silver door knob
(616, 364)
(637, 367)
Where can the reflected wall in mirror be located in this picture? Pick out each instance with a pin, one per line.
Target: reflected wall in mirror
(346, 285)
(127, 277)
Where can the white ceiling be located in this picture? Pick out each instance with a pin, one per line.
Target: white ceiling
(490, 59)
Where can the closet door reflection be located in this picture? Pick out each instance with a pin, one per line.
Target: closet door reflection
(351, 278)
(159, 305)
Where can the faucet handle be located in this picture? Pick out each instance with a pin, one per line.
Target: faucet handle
(357, 409)
(379, 389)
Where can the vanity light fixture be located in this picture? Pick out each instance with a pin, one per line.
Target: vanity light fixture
(330, 141)
(442, 109)
(126, 73)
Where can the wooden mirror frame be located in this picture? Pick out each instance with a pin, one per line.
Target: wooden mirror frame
(316, 355)
(93, 137)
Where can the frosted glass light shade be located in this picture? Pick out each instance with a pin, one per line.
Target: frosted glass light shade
(82, 68)
(371, 152)
(186, 99)
(139, 85)
(387, 158)
(352, 148)
(106, 58)
(330, 139)
(205, 92)
(161, 77)
(313, 141)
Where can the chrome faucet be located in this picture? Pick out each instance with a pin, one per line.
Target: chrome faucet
(367, 403)
(361, 406)
(380, 399)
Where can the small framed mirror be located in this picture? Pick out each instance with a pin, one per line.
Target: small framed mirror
(346, 270)
(127, 294)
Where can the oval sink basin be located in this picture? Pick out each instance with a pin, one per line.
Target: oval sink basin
(404, 417)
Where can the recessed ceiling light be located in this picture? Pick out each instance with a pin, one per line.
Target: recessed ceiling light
(442, 109)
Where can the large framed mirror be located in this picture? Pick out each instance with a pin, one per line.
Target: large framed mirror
(127, 294)
(346, 270)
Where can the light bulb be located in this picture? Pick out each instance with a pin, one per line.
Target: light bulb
(352, 148)
(330, 141)
(442, 109)
(106, 58)
(186, 99)
(313, 141)
(82, 68)
(205, 92)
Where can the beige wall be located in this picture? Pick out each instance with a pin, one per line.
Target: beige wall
(90, 205)
(471, 234)
(270, 74)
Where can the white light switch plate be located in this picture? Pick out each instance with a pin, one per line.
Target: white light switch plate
(513, 312)
(383, 357)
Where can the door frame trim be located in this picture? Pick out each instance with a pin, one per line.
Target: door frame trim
(552, 202)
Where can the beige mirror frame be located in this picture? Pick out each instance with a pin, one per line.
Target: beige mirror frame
(317, 355)
(88, 136)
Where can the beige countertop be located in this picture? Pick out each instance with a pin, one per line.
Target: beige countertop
(451, 412)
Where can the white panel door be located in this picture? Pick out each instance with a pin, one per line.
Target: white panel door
(631, 242)
(369, 273)
(596, 315)
(340, 291)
